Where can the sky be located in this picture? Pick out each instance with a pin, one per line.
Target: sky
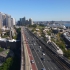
(38, 10)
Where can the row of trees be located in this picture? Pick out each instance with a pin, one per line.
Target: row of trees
(7, 64)
(18, 31)
(60, 42)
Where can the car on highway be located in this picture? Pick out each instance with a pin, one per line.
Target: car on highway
(43, 69)
(32, 61)
(32, 48)
(43, 59)
(38, 50)
(42, 50)
(28, 37)
(34, 43)
(39, 46)
(43, 53)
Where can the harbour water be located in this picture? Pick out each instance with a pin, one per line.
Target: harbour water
(67, 24)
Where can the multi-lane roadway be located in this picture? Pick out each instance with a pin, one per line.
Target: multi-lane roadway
(38, 53)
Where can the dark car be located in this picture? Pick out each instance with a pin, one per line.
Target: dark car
(42, 50)
(43, 69)
(43, 59)
(38, 50)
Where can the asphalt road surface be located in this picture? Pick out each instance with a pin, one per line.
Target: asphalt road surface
(38, 52)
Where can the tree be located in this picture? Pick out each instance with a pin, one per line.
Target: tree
(67, 53)
(7, 64)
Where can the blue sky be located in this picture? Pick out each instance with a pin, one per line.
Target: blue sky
(45, 10)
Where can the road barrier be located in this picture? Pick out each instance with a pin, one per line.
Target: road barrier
(25, 61)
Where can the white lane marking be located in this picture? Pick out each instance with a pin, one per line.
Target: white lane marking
(48, 68)
(48, 61)
(55, 67)
(39, 59)
(49, 64)
(52, 68)
(33, 57)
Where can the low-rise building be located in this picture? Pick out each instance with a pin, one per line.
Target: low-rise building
(5, 54)
(66, 37)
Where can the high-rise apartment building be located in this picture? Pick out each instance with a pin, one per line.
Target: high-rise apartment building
(11, 22)
(23, 21)
(1, 20)
(14, 21)
(8, 20)
(4, 19)
(30, 21)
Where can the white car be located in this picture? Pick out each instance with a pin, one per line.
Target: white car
(32, 61)
(43, 54)
(34, 43)
(39, 46)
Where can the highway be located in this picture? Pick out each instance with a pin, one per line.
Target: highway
(37, 52)
(28, 56)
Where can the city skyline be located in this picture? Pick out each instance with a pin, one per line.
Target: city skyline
(6, 20)
(38, 10)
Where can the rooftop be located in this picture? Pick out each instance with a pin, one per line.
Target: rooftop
(67, 35)
(4, 53)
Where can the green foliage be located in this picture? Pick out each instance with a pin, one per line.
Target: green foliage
(18, 30)
(4, 36)
(11, 63)
(60, 42)
(33, 30)
(8, 47)
(61, 45)
(34, 26)
(43, 35)
(15, 37)
(41, 25)
(67, 54)
(49, 33)
(7, 64)
(1, 49)
(0, 31)
(16, 64)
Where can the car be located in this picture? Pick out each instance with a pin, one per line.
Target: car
(32, 61)
(38, 50)
(43, 69)
(34, 43)
(39, 46)
(31, 69)
(32, 48)
(42, 50)
(43, 54)
(43, 59)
